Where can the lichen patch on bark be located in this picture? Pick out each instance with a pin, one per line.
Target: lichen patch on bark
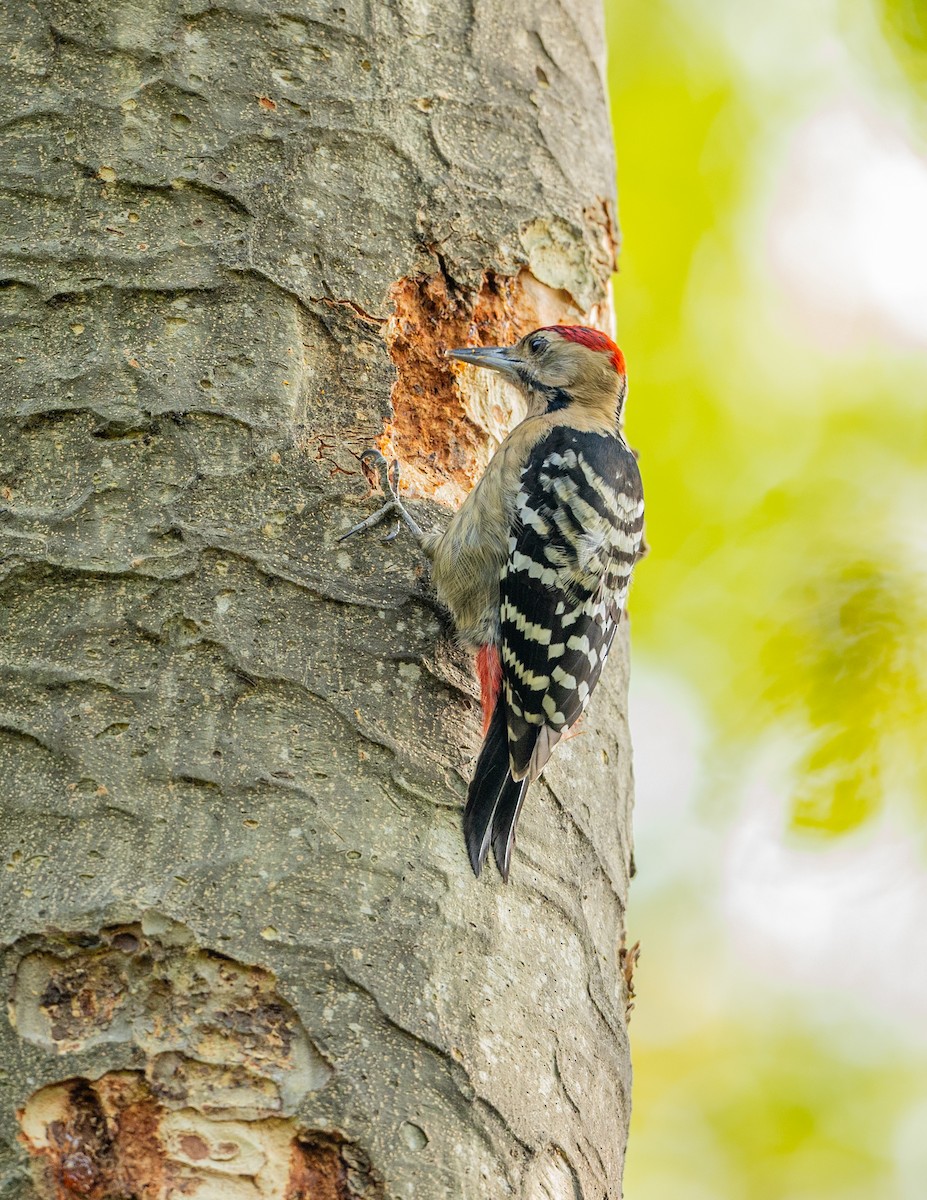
(99, 1139)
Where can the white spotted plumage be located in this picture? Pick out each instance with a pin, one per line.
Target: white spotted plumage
(577, 531)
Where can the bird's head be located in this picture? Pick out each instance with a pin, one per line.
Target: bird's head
(559, 366)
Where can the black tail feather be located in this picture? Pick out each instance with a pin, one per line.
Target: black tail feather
(503, 825)
(494, 800)
(489, 778)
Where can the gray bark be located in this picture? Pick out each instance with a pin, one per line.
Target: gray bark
(243, 952)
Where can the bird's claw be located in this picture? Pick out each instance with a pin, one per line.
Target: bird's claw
(385, 474)
(387, 477)
(385, 510)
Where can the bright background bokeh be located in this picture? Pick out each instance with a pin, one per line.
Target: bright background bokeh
(772, 304)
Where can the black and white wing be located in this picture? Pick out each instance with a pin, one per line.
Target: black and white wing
(574, 541)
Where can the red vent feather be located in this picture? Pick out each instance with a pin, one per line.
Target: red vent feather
(489, 673)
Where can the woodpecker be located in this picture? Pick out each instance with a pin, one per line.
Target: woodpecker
(535, 565)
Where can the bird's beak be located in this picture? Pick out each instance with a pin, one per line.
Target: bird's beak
(493, 358)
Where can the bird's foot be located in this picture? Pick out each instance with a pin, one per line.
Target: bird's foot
(388, 479)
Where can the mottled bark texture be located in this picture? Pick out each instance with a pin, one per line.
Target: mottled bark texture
(243, 953)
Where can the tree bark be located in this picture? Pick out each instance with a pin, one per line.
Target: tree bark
(243, 952)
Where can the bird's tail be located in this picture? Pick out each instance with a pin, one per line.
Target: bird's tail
(494, 800)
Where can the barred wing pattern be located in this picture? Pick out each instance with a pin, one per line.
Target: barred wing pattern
(575, 539)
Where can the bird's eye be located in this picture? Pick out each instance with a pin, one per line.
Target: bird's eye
(538, 345)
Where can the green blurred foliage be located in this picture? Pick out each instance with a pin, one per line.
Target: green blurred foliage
(730, 1114)
(774, 470)
(784, 585)
(857, 639)
(904, 25)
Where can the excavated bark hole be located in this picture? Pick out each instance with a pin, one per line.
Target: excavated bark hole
(327, 1167)
(111, 1138)
(215, 1033)
(226, 1063)
(442, 411)
(93, 1139)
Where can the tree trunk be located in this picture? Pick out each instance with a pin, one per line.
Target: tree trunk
(244, 953)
